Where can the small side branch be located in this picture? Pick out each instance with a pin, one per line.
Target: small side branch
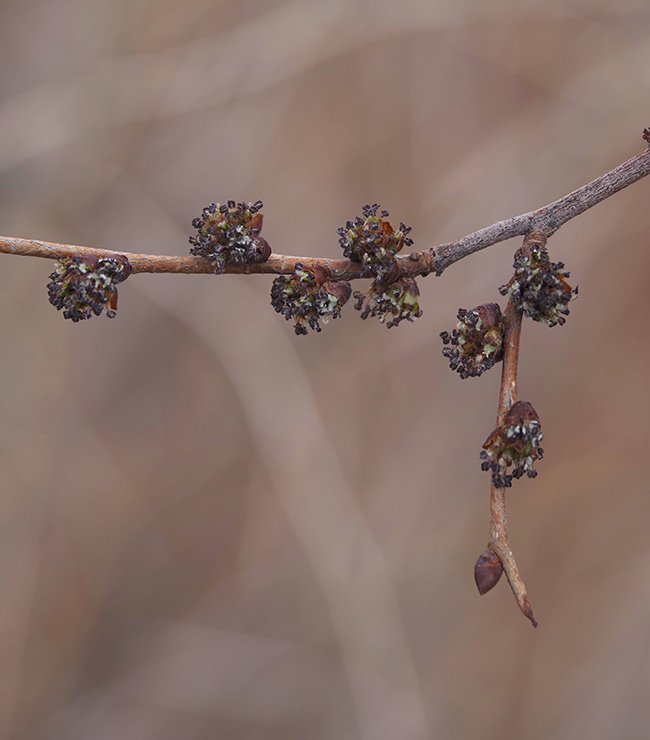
(508, 395)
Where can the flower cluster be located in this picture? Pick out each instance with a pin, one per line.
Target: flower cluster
(539, 286)
(476, 343)
(84, 287)
(397, 300)
(309, 297)
(511, 450)
(230, 234)
(372, 240)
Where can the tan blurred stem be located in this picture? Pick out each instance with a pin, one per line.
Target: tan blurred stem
(546, 220)
(508, 394)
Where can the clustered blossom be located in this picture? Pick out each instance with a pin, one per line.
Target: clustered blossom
(83, 287)
(229, 233)
(397, 301)
(309, 297)
(539, 286)
(476, 343)
(511, 450)
(371, 240)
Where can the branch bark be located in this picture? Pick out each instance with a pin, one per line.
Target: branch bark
(547, 220)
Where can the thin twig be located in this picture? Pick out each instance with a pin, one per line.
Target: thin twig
(546, 219)
(508, 394)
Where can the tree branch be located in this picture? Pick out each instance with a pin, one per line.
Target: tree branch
(508, 395)
(546, 220)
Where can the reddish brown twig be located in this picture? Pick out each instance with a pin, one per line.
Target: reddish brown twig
(546, 219)
(508, 395)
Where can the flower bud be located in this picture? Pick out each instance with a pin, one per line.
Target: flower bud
(309, 297)
(83, 287)
(398, 299)
(371, 240)
(487, 571)
(539, 286)
(476, 343)
(340, 289)
(229, 233)
(511, 449)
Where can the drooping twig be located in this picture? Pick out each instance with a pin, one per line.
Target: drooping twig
(508, 395)
(546, 220)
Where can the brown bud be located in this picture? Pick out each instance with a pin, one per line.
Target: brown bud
(125, 267)
(262, 248)
(341, 289)
(391, 274)
(490, 314)
(487, 571)
(320, 272)
(521, 412)
(255, 224)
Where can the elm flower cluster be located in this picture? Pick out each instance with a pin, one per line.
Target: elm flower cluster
(309, 297)
(83, 287)
(511, 450)
(476, 343)
(229, 233)
(396, 301)
(539, 286)
(371, 240)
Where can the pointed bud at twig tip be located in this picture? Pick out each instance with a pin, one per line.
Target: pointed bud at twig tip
(487, 571)
(527, 611)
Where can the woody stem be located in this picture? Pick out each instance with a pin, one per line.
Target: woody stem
(508, 394)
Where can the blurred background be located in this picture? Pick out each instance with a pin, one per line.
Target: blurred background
(213, 529)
